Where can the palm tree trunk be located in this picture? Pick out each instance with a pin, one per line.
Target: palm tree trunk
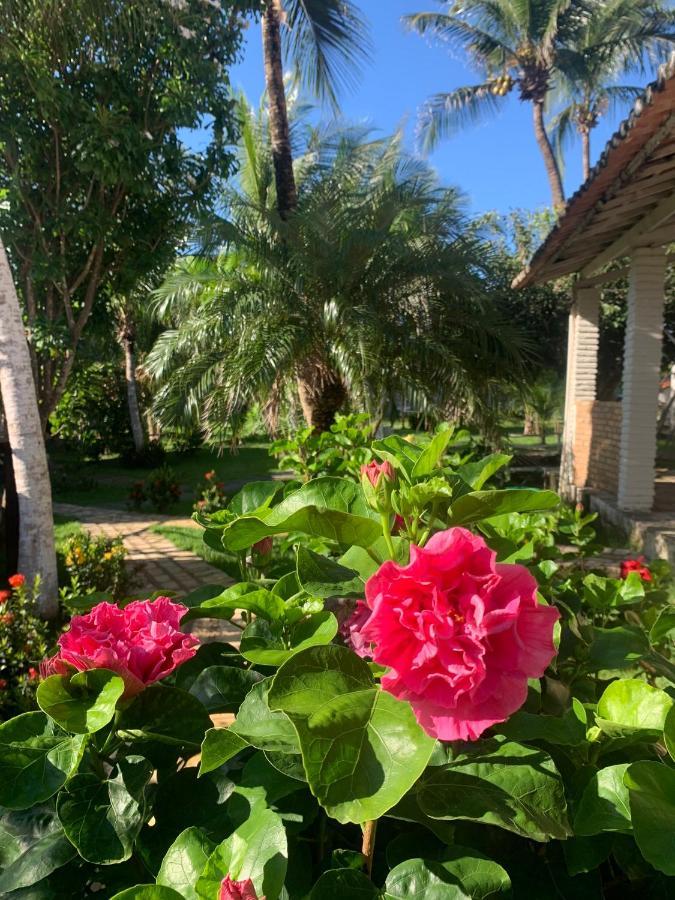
(321, 390)
(586, 152)
(24, 430)
(550, 162)
(129, 345)
(278, 112)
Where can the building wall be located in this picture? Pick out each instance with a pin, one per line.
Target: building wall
(596, 444)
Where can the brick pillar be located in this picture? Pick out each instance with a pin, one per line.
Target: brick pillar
(641, 369)
(582, 370)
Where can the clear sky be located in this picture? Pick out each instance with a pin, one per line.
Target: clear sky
(497, 164)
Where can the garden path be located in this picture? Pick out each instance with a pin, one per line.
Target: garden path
(155, 563)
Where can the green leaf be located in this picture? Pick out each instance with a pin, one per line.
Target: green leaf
(250, 597)
(478, 876)
(669, 732)
(215, 653)
(568, 730)
(499, 783)
(184, 862)
(604, 803)
(349, 884)
(423, 879)
(219, 746)
(322, 577)
(82, 703)
(333, 508)
(633, 708)
(663, 626)
(166, 714)
(367, 562)
(148, 892)
(430, 457)
(481, 505)
(264, 729)
(35, 762)
(265, 646)
(103, 818)
(254, 496)
(616, 648)
(223, 688)
(402, 454)
(362, 749)
(40, 859)
(477, 473)
(257, 849)
(651, 788)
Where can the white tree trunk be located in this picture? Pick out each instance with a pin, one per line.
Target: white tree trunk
(132, 394)
(17, 387)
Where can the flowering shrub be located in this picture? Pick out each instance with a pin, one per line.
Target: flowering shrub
(417, 708)
(160, 490)
(636, 565)
(210, 494)
(96, 564)
(341, 450)
(24, 640)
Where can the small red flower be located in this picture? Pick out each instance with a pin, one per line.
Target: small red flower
(636, 565)
(3, 684)
(33, 674)
(4, 596)
(237, 890)
(209, 476)
(7, 618)
(16, 581)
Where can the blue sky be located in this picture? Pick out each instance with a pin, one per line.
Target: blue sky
(497, 164)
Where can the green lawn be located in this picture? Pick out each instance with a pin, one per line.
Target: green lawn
(112, 480)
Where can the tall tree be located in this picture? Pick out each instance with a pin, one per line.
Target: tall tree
(31, 475)
(376, 277)
(528, 46)
(99, 186)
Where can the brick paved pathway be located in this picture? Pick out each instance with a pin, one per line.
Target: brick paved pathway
(156, 563)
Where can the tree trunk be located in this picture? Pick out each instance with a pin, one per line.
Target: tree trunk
(586, 153)
(278, 113)
(321, 390)
(129, 345)
(24, 430)
(552, 169)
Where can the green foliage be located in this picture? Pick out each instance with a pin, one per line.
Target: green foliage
(24, 641)
(160, 490)
(209, 494)
(576, 789)
(95, 565)
(341, 450)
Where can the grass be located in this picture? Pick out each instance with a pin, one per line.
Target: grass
(106, 482)
(186, 538)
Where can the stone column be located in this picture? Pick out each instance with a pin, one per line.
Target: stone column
(641, 371)
(582, 370)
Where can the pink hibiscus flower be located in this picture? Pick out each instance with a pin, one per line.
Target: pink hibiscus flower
(351, 629)
(460, 633)
(237, 890)
(142, 642)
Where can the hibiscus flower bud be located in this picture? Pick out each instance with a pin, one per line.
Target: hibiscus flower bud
(636, 565)
(16, 581)
(237, 890)
(142, 643)
(460, 633)
(263, 547)
(377, 479)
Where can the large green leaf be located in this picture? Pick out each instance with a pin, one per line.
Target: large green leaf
(617, 648)
(362, 749)
(478, 876)
(184, 862)
(604, 803)
(261, 727)
(219, 746)
(250, 597)
(223, 688)
(148, 892)
(669, 732)
(253, 496)
(663, 626)
(168, 715)
(332, 508)
(633, 708)
(430, 457)
(35, 760)
(103, 818)
(651, 788)
(40, 859)
(566, 730)
(349, 884)
(321, 576)
(475, 474)
(423, 879)
(266, 645)
(499, 783)
(479, 505)
(82, 703)
(367, 562)
(402, 454)
(257, 849)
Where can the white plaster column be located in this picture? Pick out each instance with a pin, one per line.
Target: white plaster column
(641, 370)
(581, 377)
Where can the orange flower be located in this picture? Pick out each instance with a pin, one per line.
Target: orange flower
(7, 618)
(4, 596)
(17, 581)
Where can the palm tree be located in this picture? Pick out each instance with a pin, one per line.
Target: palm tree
(371, 289)
(326, 39)
(530, 46)
(24, 430)
(619, 37)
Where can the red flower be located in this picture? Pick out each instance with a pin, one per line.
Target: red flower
(16, 581)
(209, 476)
(237, 890)
(399, 524)
(4, 596)
(460, 633)
(636, 565)
(375, 471)
(3, 684)
(7, 618)
(33, 674)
